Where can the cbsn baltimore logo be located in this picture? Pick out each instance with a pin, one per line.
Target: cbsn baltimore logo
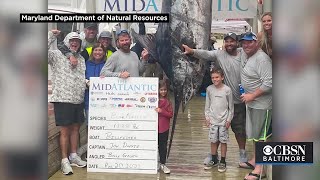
(278, 153)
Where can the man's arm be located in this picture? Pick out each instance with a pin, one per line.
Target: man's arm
(85, 55)
(52, 36)
(265, 73)
(142, 66)
(205, 54)
(264, 70)
(64, 49)
(201, 54)
(143, 60)
(109, 67)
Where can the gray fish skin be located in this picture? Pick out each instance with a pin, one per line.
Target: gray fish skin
(190, 24)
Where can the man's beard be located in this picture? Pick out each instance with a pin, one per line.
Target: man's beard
(125, 47)
(231, 50)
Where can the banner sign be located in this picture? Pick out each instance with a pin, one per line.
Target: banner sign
(226, 9)
(123, 125)
(128, 6)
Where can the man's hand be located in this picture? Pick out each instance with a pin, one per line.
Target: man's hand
(228, 124)
(248, 97)
(207, 122)
(187, 50)
(55, 32)
(73, 61)
(124, 74)
(144, 54)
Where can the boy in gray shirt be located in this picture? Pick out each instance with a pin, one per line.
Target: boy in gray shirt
(218, 113)
(229, 60)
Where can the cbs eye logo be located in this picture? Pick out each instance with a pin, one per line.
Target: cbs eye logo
(267, 150)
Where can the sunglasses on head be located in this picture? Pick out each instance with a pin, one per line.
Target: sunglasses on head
(122, 31)
(250, 34)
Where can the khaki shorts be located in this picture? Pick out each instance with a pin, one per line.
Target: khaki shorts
(218, 133)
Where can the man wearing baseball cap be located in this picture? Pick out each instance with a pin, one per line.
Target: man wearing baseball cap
(90, 32)
(105, 38)
(256, 79)
(229, 60)
(124, 63)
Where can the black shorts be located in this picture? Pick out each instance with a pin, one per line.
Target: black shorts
(68, 114)
(238, 123)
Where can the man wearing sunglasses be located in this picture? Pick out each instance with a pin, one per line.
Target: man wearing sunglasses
(124, 63)
(229, 60)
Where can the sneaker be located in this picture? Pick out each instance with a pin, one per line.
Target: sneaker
(164, 168)
(209, 158)
(210, 165)
(77, 161)
(82, 150)
(66, 168)
(222, 167)
(243, 156)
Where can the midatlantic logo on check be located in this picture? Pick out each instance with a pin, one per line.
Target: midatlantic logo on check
(284, 153)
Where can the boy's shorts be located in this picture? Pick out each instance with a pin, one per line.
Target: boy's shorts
(218, 133)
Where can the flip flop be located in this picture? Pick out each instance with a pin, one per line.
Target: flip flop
(249, 166)
(256, 175)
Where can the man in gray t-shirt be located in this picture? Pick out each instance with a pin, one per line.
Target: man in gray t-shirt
(124, 63)
(256, 79)
(229, 61)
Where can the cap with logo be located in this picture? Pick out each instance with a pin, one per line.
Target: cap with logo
(231, 35)
(249, 36)
(105, 34)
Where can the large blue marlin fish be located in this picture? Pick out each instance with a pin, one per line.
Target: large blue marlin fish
(190, 24)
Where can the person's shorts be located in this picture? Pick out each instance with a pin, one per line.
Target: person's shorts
(238, 123)
(258, 124)
(218, 133)
(68, 114)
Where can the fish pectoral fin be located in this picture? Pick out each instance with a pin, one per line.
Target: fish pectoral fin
(147, 41)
